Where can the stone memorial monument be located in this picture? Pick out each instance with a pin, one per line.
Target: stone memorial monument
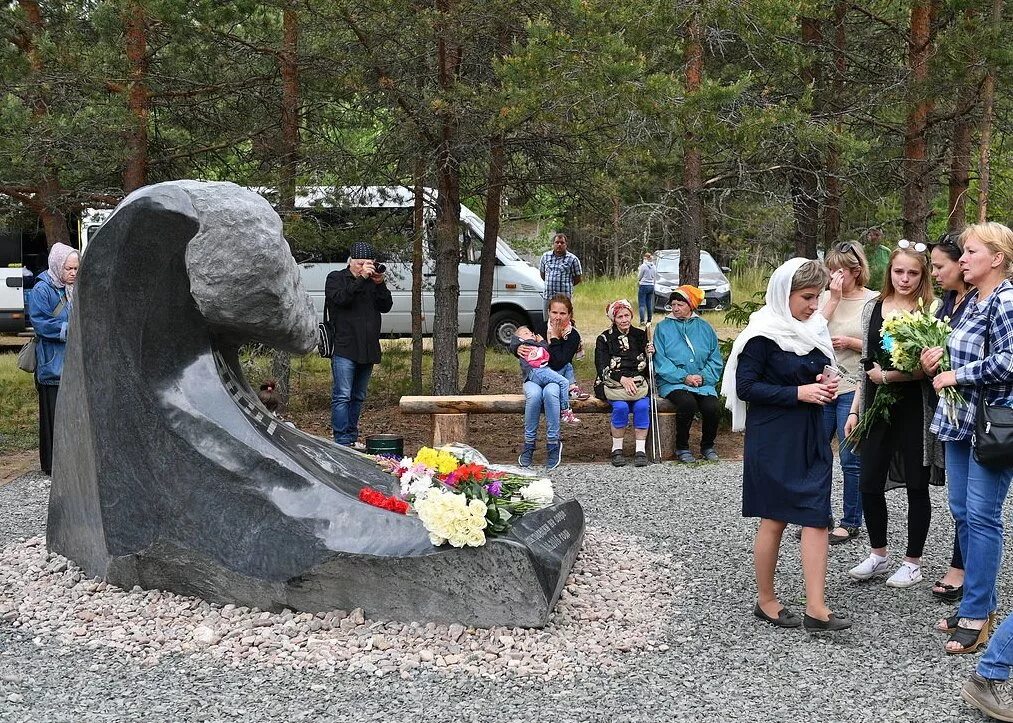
(169, 474)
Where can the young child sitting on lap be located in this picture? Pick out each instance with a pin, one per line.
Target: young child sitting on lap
(535, 368)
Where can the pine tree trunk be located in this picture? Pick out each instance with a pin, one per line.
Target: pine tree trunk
(692, 173)
(418, 232)
(832, 206)
(486, 275)
(960, 163)
(448, 222)
(916, 170)
(135, 173)
(985, 139)
(805, 187)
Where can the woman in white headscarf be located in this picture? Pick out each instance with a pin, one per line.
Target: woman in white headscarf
(776, 365)
(49, 304)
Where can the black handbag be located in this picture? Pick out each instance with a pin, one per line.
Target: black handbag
(992, 441)
(325, 336)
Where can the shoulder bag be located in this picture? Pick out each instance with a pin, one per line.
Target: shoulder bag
(26, 357)
(616, 392)
(992, 441)
(325, 336)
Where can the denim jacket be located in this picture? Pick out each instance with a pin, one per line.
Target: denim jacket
(51, 330)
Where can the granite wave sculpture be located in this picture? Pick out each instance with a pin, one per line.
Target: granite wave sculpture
(169, 474)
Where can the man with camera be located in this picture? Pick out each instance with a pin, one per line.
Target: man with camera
(355, 298)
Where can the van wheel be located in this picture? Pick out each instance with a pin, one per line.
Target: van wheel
(503, 325)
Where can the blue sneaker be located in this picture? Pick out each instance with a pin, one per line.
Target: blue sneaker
(553, 455)
(527, 454)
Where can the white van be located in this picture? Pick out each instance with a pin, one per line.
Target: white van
(13, 318)
(330, 219)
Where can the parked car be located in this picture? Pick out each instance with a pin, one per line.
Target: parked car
(13, 318)
(715, 285)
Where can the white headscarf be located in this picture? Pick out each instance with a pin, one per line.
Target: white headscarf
(58, 256)
(775, 322)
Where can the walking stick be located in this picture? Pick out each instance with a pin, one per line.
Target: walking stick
(652, 401)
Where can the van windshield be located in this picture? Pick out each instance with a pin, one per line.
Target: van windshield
(324, 235)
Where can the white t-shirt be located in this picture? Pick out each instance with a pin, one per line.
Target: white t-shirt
(847, 321)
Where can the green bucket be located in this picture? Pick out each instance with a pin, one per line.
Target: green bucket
(389, 445)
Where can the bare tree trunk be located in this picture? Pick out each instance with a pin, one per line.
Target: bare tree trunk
(960, 160)
(616, 235)
(804, 181)
(483, 306)
(985, 140)
(288, 60)
(835, 193)
(418, 232)
(47, 200)
(448, 253)
(135, 173)
(692, 173)
(916, 171)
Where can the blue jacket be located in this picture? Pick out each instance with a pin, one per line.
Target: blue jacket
(684, 347)
(50, 330)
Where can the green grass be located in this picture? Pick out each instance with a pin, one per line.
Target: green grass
(19, 423)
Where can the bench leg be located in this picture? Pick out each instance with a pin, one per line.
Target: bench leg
(449, 428)
(666, 434)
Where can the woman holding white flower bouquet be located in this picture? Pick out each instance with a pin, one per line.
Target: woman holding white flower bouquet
(945, 262)
(980, 353)
(897, 406)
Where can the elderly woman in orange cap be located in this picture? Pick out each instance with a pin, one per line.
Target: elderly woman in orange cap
(687, 368)
(620, 356)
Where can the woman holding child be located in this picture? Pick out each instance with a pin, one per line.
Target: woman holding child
(777, 365)
(562, 341)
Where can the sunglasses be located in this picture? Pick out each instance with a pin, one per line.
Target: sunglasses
(846, 247)
(918, 246)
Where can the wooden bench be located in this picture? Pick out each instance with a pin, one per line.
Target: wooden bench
(450, 414)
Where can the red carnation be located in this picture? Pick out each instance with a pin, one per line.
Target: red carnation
(377, 499)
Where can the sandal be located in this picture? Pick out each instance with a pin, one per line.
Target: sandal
(949, 593)
(950, 623)
(969, 639)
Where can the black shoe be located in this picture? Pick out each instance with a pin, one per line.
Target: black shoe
(852, 533)
(640, 459)
(617, 458)
(831, 624)
(949, 593)
(784, 619)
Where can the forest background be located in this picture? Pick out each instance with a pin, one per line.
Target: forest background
(753, 129)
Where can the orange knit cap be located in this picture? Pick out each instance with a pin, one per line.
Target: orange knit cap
(690, 294)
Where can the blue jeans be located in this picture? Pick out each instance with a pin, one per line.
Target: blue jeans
(544, 376)
(347, 396)
(645, 302)
(998, 657)
(537, 398)
(835, 416)
(568, 372)
(976, 497)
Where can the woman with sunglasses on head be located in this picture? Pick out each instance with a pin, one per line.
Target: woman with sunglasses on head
(841, 305)
(981, 358)
(900, 443)
(944, 260)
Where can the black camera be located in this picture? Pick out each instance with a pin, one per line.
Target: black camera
(381, 268)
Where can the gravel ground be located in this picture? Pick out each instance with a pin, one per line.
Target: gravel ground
(701, 655)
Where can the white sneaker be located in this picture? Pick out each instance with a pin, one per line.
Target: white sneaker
(568, 417)
(906, 576)
(870, 567)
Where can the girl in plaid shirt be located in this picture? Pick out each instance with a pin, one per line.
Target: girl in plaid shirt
(976, 493)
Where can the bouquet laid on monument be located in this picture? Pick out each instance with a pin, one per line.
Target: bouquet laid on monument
(459, 496)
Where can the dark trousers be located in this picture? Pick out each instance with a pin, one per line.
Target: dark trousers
(687, 405)
(47, 419)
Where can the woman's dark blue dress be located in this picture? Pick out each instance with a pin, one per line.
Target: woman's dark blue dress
(787, 461)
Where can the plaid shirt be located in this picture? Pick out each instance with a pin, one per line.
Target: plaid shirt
(559, 273)
(974, 373)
